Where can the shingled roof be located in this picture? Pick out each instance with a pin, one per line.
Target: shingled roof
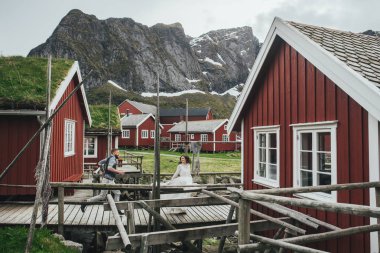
(134, 120)
(182, 112)
(359, 51)
(198, 126)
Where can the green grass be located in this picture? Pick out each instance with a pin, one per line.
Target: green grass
(13, 239)
(219, 162)
(23, 81)
(99, 115)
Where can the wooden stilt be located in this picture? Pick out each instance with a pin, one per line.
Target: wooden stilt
(223, 238)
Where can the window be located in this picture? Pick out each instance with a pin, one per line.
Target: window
(267, 152)
(225, 138)
(315, 157)
(225, 127)
(191, 136)
(177, 137)
(126, 134)
(90, 147)
(144, 134)
(152, 134)
(204, 137)
(69, 140)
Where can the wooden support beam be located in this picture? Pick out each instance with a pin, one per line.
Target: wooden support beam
(187, 234)
(130, 214)
(123, 234)
(301, 217)
(305, 239)
(320, 205)
(166, 224)
(277, 243)
(319, 188)
(244, 221)
(228, 221)
(201, 201)
(275, 237)
(291, 227)
(61, 210)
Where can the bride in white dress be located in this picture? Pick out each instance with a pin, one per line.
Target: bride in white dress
(182, 176)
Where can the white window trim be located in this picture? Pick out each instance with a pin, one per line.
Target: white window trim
(225, 127)
(192, 136)
(177, 137)
(316, 127)
(202, 137)
(144, 134)
(256, 178)
(225, 136)
(126, 134)
(95, 155)
(152, 134)
(71, 152)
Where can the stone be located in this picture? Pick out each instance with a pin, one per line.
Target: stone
(73, 245)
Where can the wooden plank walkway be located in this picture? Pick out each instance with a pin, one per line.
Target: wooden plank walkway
(20, 214)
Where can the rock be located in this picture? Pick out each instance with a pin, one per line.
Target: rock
(131, 54)
(59, 236)
(73, 245)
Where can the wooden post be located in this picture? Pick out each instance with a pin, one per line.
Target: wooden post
(144, 244)
(223, 238)
(377, 192)
(244, 221)
(119, 223)
(130, 218)
(61, 209)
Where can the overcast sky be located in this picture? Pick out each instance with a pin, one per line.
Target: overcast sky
(24, 24)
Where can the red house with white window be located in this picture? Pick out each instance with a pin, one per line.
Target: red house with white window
(309, 115)
(212, 133)
(100, 138)
(22, 115)
(132, 107)
(137, 130)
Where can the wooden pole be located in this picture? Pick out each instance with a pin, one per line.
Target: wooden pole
(47, 122)
(119, 223)
(291, 227)
(320, 205)
(131, 218)
(223, 238)
(244, 221)
(186, 128)
(109, 135)
(281, 244)
(306, 239)
(61, 210)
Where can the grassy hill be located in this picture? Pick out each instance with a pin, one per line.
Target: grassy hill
(221, 106)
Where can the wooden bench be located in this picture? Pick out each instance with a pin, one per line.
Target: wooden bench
(73, 178)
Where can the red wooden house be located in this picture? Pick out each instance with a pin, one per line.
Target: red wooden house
(96, 138)
(138, 130)
(212, 133)
(133, 107)
(22, 113)
(309, 115)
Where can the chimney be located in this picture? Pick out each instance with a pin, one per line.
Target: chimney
(127, 112)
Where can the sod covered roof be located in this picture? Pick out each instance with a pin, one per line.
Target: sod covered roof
(23, 81)
(99, 115)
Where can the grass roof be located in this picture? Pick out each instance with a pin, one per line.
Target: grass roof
(23, 81)
(99, 115)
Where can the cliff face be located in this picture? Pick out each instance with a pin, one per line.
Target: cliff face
(133, 54)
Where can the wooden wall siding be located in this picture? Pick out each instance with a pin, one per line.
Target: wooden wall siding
(102, 149)
(63, 167)
(15, 132)
(131, 142)
(291, 91)
(126, 105)
(148, 124)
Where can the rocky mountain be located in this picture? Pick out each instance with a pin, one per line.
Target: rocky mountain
(132, 54)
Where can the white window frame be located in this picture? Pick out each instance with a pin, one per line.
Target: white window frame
(177, 137)
(266, 181)
(191, 136)
(69, 138)
(126, 134)
(314, 128)
(225, 127)
(204, 137)
(225, 138)
(152, 134)
(85, 147)
(144, 134)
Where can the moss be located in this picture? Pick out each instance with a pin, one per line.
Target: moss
(99, 115)
(23, 81)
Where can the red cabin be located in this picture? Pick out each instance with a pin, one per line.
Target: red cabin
(128, 107)
(309, 115)
(22, 114)
(96, 140)
(138, 130)
(212, 133)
